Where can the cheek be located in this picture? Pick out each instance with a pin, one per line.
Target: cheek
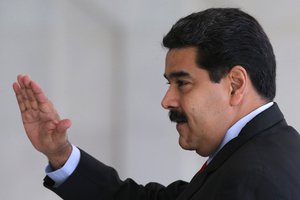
(201, 107)
(207, 112)
(206, 104)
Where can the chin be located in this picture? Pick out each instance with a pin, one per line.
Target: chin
(185, 145)
(203, 154)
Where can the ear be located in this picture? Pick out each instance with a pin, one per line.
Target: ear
(238, 78)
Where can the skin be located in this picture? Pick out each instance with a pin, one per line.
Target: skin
(43, 126)
(211, 108)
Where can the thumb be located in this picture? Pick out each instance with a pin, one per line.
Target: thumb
(63, 125)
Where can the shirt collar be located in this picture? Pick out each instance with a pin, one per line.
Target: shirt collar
(235, 129)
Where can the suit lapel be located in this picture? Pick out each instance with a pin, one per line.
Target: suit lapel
(258, 124)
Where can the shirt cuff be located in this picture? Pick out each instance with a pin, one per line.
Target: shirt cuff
(61, 175)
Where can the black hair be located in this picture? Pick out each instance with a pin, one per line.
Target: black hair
(224, 38)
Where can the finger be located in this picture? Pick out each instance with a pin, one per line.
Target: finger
(36, 96)
(21, 103)
(23, 93)
(63, 125)
(18, 93)
(29, 90)
(36, 90)
(17, 86)
(30, 93)
(20, 80)
(32, 100)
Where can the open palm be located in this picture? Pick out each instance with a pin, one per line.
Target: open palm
(43, 126)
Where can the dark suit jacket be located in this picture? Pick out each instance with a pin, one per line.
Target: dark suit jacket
(263, 162)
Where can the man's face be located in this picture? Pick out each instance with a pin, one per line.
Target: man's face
(200, 107)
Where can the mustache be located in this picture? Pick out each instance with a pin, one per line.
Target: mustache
(177, 116)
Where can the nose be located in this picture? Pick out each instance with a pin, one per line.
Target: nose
(170, 100)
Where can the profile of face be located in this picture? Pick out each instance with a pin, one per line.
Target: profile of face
(200, 108)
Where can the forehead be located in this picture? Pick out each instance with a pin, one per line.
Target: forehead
(180, 56)
(181, 60)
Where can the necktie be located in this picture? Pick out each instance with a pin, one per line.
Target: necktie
(203, 167)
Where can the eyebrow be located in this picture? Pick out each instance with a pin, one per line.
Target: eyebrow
(176, 74)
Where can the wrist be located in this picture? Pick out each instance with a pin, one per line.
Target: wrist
(59, 158)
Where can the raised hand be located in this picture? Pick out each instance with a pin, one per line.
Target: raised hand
(43, 126)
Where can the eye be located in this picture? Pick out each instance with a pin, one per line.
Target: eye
(181, 83)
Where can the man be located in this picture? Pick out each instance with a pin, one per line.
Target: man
(221, 70)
